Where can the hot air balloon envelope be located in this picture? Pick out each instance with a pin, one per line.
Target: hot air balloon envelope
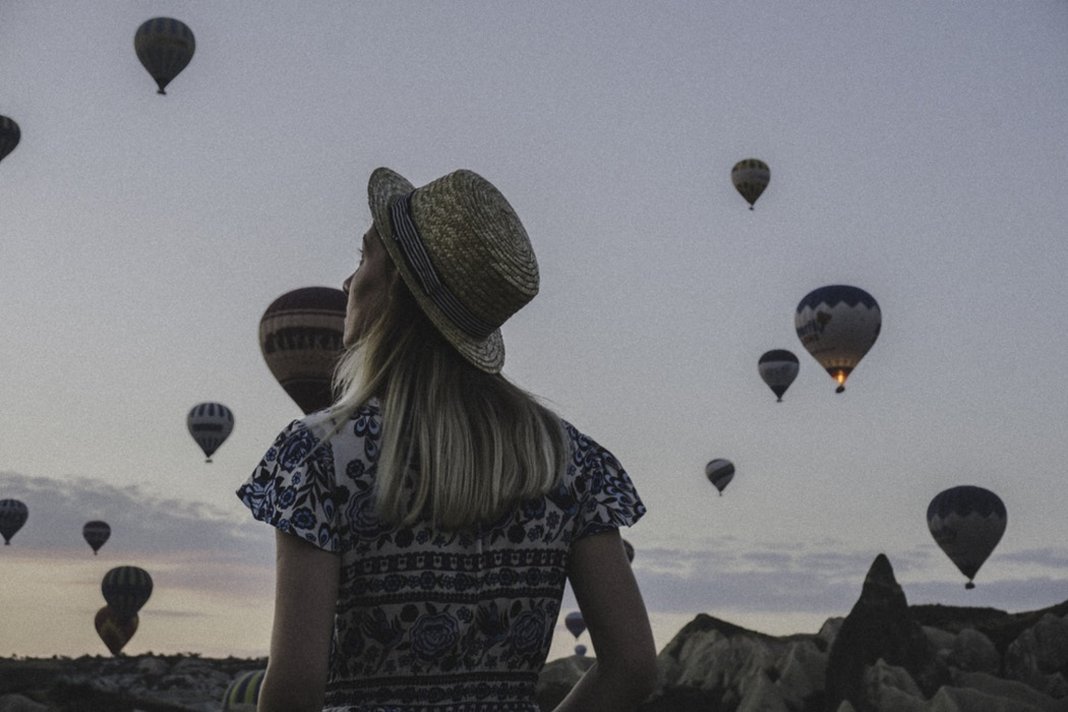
(750, 177)
(720, 472)
(837, 324)
(301, 339)
(9, 136)
(113, 629)
(126, 589)
(210, 424)
(967, 523)
(244, 692)
(778, 368)
(96, 533)
(573, 622)
(164, 46)
(13, 514)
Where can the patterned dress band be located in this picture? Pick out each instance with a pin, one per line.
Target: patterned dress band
(407, 237)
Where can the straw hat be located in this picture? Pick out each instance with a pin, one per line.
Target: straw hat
(460, 248)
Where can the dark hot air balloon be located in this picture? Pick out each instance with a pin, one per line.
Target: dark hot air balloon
(243, 693)
(573, 622)
(210, 424)
(300, 337)
(967, 523)
(13, 514)
(115, 630)
(838, 324)
(95, 534)
(580, 650)
(164, 46)
(720, 472)
(126, 589)
(9, 136)
(750, 177)
(778, 368)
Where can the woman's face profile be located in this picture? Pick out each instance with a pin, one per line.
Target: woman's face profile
(367, 287)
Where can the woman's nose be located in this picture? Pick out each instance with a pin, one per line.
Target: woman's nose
(345, 284)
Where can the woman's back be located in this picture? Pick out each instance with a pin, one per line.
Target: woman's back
(429, 620)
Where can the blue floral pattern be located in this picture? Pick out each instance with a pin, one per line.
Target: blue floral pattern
(432, 621)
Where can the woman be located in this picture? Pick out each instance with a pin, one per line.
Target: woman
(427, 522)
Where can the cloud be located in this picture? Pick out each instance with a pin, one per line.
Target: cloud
(187, 546)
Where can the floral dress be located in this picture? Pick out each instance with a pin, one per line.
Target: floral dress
(429, 621)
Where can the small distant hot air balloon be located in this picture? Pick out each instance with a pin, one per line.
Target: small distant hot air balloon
(629, 548)
(838, 324)
(778, 368)
(300, 337)
(115, 630)
(720, 472)
(580, 650)
(126, 589)
(967, 523)
(95, 534)
(243, 693)
(13, 514)
(750, 177)
(164, 46)
(210, 424)
(9, 136)
(574, 622)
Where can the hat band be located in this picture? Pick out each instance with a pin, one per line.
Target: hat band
(407, 237)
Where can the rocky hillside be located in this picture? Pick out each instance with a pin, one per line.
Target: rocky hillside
(885, 656)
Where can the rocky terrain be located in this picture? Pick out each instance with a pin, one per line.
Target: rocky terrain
(885, 656)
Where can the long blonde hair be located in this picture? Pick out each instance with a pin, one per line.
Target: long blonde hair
(459, 445)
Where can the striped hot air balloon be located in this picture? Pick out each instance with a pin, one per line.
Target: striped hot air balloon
(115, 630)
(778, 368)
(95, 534)
(720, 472)
(9, 136)
(126, 589)
(967, 523)
(838, 324)
(750, 177)
(300, 337)
(210, 424)
(164, 46)
(13, 514)
(243, 693)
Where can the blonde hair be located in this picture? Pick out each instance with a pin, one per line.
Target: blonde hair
(459, 446)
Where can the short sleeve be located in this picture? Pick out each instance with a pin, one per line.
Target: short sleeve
(293, 488)
(606, 496)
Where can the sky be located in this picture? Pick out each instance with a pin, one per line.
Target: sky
(917, 150)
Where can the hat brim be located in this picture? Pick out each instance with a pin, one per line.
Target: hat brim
(383, 187)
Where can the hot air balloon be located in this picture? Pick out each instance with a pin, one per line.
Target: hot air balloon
(210, 424)
(573, 622)
(720, 472)
(967, 523)
(778, 368)
(750, 177)
(126, 589)
(838, 324)
(629, 548)
(580, 650)
(95, 534)
(13, 515)
(300, 337)
(164, 46)
(243, 693)
(9, 136)
(115, 630)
